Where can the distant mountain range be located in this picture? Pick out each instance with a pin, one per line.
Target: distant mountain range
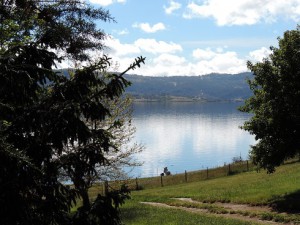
(213, 87)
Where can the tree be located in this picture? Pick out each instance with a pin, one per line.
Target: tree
(45, 115)
(275, 103)
(122, 133)
(121, 129)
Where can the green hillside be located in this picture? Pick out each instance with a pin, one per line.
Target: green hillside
(213, 87)
(245, 198)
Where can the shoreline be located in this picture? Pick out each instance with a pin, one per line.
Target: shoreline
(183, 99)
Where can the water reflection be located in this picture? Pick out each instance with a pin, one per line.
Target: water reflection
(189, 136)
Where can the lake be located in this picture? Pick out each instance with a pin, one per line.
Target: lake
(188, 136)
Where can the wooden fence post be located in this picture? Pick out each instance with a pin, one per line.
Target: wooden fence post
(161, 180)
(136, 184)
(185, 176)
(247, 166)
(105, 188)
(207, 173)
(229, 169)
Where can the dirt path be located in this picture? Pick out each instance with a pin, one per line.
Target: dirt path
(229, 206)
(232, 206)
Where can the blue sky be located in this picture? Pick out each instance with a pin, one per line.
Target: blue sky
(195, 37)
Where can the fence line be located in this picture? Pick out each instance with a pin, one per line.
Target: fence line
(163, 180)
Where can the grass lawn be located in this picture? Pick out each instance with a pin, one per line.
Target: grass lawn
(134, 213)
(281, 190)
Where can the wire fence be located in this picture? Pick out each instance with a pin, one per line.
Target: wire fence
(187, 176)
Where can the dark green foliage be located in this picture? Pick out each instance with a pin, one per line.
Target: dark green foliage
(275, 103)
(46, 136)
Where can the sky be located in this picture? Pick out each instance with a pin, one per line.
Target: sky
(194, 37)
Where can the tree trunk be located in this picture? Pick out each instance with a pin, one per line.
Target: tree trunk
(85, 198)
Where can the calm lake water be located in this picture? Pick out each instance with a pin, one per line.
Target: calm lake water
(188, 136)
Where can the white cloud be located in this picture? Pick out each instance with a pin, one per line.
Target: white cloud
(218, 61)
(157, 47)
(169, 60)
(172, 7)
(149, 29)
(118, 49)
(260, 54)
(174, 65)
(106, 2)
(204, 54)
(164, 65)
(121, 32)
(227, 62)
(141, 45)
(244, 12)
(165, 58)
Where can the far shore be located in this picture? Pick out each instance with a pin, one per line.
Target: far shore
(182, 99)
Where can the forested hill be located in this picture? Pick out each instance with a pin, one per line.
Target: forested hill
(213, 87)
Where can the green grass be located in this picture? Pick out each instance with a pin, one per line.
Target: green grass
(249, 188)
(281, 190)
(134, 213)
